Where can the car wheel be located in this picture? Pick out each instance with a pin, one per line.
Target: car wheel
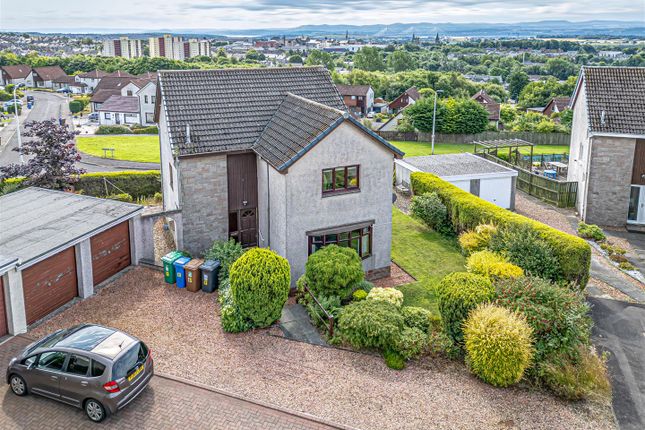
(94, 410)
(18, 385)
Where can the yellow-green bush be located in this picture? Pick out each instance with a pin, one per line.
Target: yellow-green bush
(391, 295)
(498, 345)
(492, 265)
(477, 239)
(467, 211)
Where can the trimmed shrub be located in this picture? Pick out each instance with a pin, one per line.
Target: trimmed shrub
(583, 378)
(467, 211)
(136, 183)
(371, 324)
(113, 129)
(418, 318)
(498, 345)
(391, 295)
(559, 317)
(230, 316)
(394, 360)
(458, 294)
(411, 343)
(333, 270)
(260, 281)
(122, 197)
(591, 231)
(493, 266)
(153, 129)
(75, 106)
(429, 209)
(226, 251)
(524, 247)
(359, 295)
(478, 239)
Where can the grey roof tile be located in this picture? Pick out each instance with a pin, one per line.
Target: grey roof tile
(117, 103)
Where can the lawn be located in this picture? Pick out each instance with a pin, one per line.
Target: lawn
(424, 254)
(413, 149)
(142, 148)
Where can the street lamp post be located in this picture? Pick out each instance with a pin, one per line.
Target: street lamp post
(15, 111)
(434, 117)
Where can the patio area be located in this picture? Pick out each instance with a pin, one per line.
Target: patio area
(344, 387)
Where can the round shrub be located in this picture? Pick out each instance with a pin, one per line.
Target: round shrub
(411, 343)
(391, 295)
(332, 271)
(260, 281)
(478, 239)
(393, 360)
(226, 252)
(359, 295)
(459, 293)
(498, 345)
(418, 318)
(230, 317)
(430, 209)
(492, 265)
(371, 324)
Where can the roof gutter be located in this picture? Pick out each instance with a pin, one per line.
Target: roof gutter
(627, 135)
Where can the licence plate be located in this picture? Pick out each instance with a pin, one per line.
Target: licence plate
(135, 373)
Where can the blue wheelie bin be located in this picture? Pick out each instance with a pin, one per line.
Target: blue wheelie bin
(180, 272)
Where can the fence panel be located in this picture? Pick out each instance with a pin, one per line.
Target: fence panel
(529, 136)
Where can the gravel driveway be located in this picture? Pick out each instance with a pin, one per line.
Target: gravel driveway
(354, 389)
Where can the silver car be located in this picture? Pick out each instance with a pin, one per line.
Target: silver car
(88, 366)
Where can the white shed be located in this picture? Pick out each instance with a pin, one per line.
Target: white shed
(481, 177)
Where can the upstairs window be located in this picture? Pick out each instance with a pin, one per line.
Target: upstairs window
(340, 179)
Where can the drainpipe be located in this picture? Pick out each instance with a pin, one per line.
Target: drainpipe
(268, 208)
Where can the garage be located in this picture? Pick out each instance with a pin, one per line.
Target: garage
(4, 328)
(63, 245)
(49, 284)
(110, 252)
(471, 173)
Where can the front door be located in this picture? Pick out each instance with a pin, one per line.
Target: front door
(242, 198)
(636, 213)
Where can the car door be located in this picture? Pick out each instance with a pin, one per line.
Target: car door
(74, 383)
(45, 375)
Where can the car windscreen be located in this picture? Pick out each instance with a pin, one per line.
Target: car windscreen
(48, 341)
(128, 362)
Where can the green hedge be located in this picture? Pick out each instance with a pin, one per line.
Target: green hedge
(113, 129)
(467, 211)
(135, 183)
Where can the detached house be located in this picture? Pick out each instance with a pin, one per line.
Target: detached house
(556, 105)
(133, 103)
(44, 76)
(607, 150)
(490, 105)
(359, 99)
(409, 97)
(271, 158)
(91, 79)
(21, 74)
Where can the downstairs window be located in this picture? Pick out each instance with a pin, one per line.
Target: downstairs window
(359, 239)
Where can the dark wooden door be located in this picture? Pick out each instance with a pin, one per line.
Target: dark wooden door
(3, 312)
(49, 284)
(110, 252)
(638, 171)
(243, 198)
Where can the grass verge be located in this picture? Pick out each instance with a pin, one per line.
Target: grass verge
(144, 149)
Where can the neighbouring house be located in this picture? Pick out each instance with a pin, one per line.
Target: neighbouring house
(20, 74)
(407, 98)
(380, 105)
(70, 83)
(44, 76)
(107, 87)
(392, 123)
(142, 89)
(270, 157)
(119, 110)
(607, 149)
(359, 99)
(489, 103)
(57, 246)
(556, 105)
(478, 176)
(91, 79)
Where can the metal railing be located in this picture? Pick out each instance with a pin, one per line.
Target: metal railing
(329, 322)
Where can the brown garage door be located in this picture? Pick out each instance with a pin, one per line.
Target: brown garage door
(49, 284)
(110, 252)
(3, 313)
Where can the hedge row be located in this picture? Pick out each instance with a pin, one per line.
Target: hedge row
(135, 183)
(467, 211)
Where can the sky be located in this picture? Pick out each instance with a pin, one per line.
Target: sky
(142, 15)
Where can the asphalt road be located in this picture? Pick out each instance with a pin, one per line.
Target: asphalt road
(47, 106)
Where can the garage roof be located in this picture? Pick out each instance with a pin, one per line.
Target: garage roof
(36, 223)
(451, 165)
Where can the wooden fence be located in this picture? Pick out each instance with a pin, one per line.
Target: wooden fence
(559, 193)
(529, 136)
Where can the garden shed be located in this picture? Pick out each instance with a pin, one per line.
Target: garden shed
(60, 245)
(471, 173)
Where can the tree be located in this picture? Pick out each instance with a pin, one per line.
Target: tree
(320, 58)
(464, 116)
(560, 68)
(369, 58)
(517, 80)
(400, 61)
(539, 93)
(296, 59)
(54, 157)
(75, 106)
(253, 55)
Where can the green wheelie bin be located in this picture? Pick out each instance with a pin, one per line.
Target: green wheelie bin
(169, 266)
